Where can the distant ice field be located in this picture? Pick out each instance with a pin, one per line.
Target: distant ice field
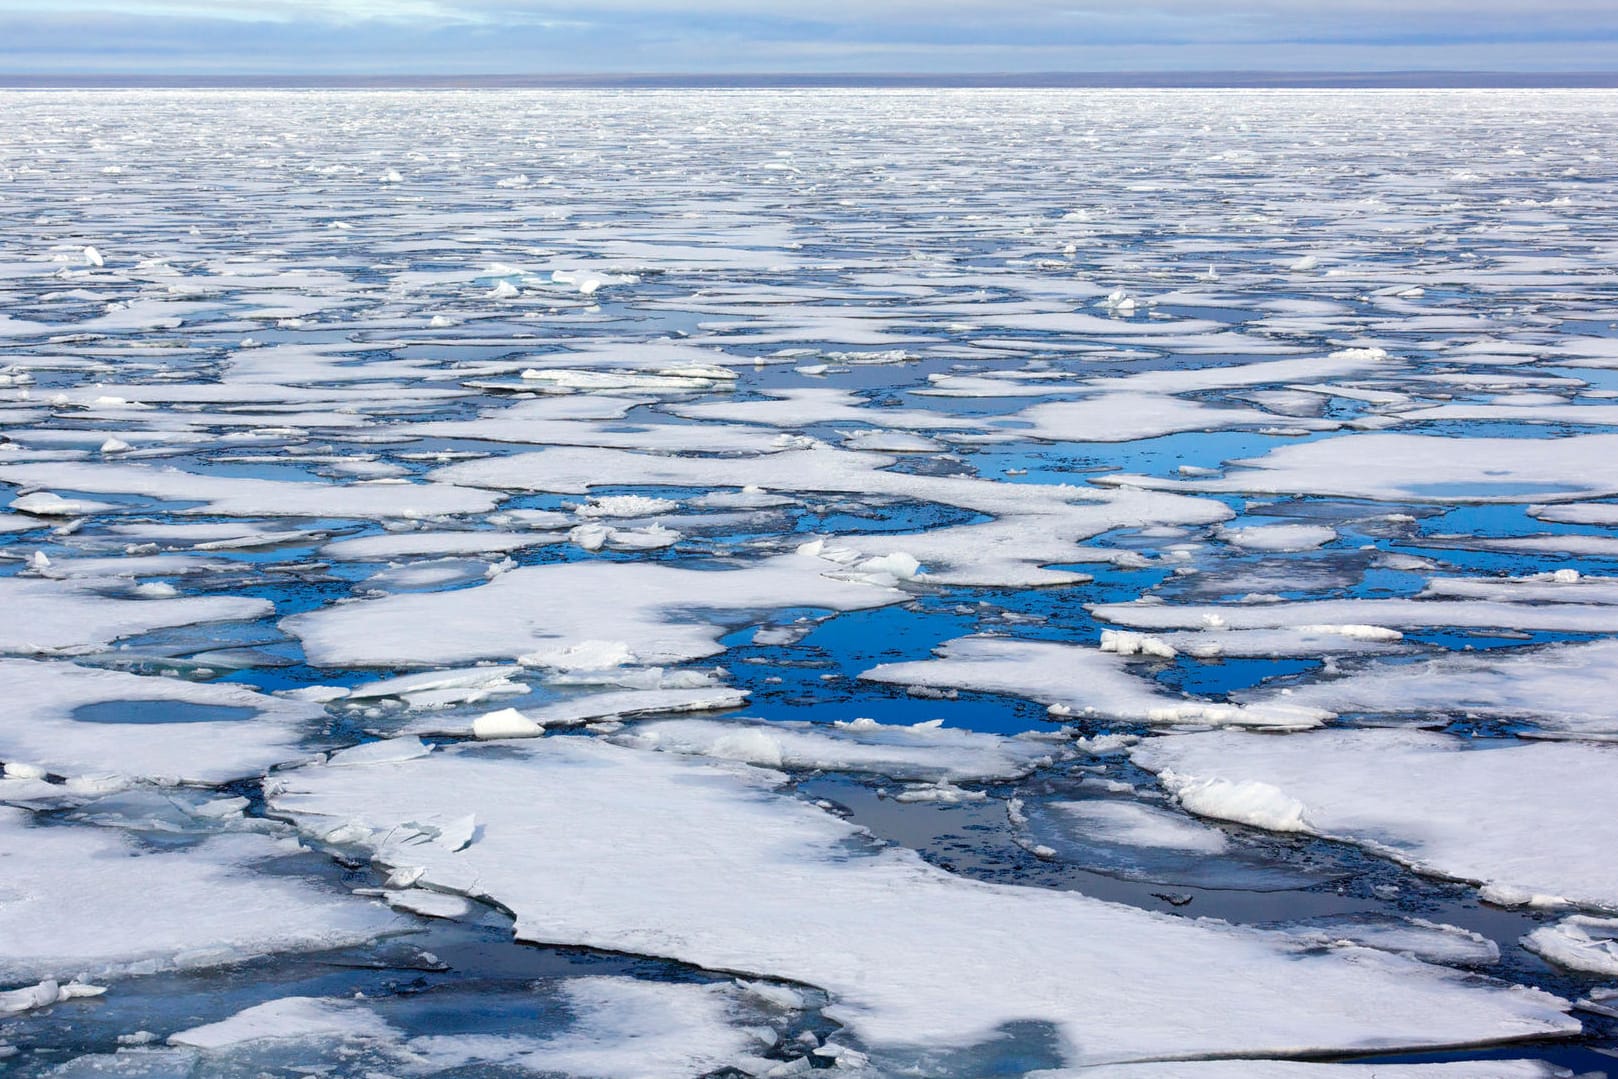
(676, 583)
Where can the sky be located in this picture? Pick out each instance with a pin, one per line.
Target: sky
(548, 37)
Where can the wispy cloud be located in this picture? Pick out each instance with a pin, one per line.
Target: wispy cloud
(544, 36)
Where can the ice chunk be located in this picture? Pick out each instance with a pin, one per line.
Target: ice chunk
(1419, 468)
(287, 1018)
(46, 504)
(576, 711)
(506, 723)
(1248, 802)
(1292, 1069)
(44, 994)
(428, 904)
(1579, 943)
(1430, 941)
(243, 496)
(1279, 537)
(1136, 825)
(442, 689)
(622, 1027)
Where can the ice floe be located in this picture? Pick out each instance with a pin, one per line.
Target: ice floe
(1077, 680)
(72, 720)
(209, 904)
(1430, 801)
(709, 863)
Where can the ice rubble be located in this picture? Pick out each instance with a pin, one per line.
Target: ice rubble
(41, 728)
(1430, 801)
(708, 864)
(44, 994)
(210, 903)
(1077, 680)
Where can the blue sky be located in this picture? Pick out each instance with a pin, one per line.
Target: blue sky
(719, 36)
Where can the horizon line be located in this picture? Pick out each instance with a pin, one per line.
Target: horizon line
(1200, 79)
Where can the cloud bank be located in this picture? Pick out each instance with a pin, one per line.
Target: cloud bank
(559, 36)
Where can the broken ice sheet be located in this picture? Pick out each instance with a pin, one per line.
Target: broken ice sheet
(709, 863)
(213, 902)
(1430, 801)
(1559, 689)
(287, 314)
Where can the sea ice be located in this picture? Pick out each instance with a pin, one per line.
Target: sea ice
(1430, 801)
(146, 727)
(708, 865)
(1076, 680)
(555, 607)
(208, 904)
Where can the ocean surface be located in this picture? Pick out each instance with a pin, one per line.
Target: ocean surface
(959, 582)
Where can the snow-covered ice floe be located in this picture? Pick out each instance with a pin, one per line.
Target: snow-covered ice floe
(1078, 680)
(711, 866)
(152, 910)
(1428, 800)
